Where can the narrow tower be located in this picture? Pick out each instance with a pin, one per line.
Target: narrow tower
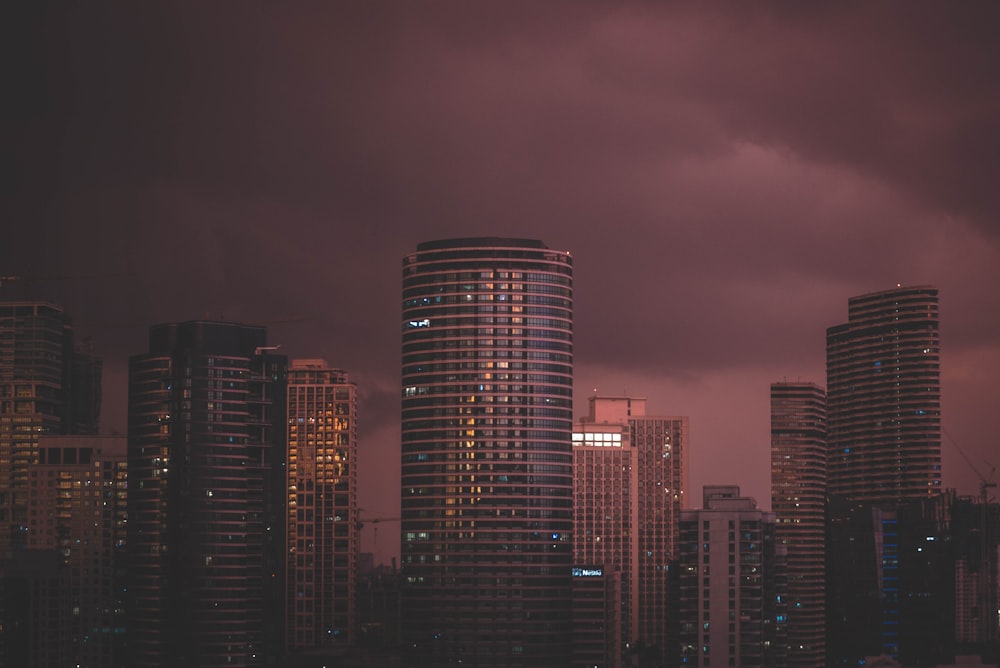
(322, 489)
(487, 384)
(798, 496)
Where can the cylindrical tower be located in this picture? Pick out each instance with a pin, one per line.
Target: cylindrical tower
(487, 373)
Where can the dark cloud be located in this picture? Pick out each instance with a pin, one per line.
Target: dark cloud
(725, 177)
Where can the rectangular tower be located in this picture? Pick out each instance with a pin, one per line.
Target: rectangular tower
(322, 488)
(46, 387)
(798, 500)
(206, 449)
(884, 398)
(730, 569)
(629, 489)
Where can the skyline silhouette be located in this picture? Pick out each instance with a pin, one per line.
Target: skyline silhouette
(724, 177)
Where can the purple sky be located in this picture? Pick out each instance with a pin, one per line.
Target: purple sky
(725, 177)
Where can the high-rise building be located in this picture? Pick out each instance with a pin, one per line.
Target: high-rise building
(487, 462)
(798, 501)
(629, 487)
(206, 504)
(47, 386)
(322, 488)
(884, 398)
(76, 499)
(731, 608)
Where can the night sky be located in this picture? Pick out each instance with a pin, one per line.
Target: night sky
(725, 176)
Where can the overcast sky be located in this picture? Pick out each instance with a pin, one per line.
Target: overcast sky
(726, 176)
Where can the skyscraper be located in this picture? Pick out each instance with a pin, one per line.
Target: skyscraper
(883, 451)
(629, 487)
(730, 569)
(798, 501)
(884, 398)
(322, 488)
(206, 497)
(487, 401)
(46, 387)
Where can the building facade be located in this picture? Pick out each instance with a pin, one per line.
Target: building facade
(77, 497)
(487, 478)
(322, 523)
(629, 488)
(731, 608)
(884, 398)
(596, 618)
(47, 386)
(798, 501)
(206, 501)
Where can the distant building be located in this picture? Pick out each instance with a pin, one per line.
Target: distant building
(884, 398)
(77, 496)
(596, 624)
(731, 609)
(32, 630)
(798, 501)
(48, 385)
(629, 488)
(862, 580)
(487, 462)
(206, 505)
(322, 488)
(912, 581)
(378, 610)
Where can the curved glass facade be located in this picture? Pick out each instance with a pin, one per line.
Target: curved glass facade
(204, 498)
(487, 373)
(884, 397)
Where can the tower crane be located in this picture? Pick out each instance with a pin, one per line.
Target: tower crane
(987, 616)
(375, 520)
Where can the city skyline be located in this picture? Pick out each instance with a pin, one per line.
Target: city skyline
(725, 179)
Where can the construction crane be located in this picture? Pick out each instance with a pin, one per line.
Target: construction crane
(985, 482)
(27, 281)
(376, 520)
(987, 618)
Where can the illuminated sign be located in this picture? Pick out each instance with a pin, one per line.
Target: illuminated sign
(419, 323)
(588, 572)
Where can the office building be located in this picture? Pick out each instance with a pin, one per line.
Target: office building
(798, 501)
(206, 505)
(322, 523)
(47, 386)
(629, 488)
(76, 500)
(884, 398)
(487, 463)
(731, 608)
